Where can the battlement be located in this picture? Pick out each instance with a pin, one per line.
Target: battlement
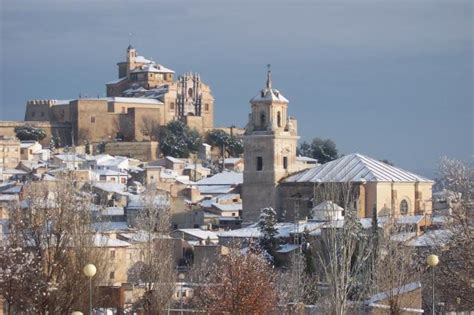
(49, 102)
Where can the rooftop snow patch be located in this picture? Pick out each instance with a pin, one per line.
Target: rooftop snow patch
(224, 178)
(135, 100)
(269, 95)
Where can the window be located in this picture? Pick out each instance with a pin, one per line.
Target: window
(42, 114)
(102, 178)
(285, 162)
(112, 254)
(206, 107)
(279, 119)
(112, 275)
(403, 207)
(123, 180)
(259, 163)
(33, 114)
(262, 119)
(172, 105)
(190, 92)
(123, 109)
(93, 119)
(233, 214)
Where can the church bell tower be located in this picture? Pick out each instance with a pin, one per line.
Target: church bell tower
(270, 142)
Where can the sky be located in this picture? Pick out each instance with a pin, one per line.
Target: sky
(390, 79)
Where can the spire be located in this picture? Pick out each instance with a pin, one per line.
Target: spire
(269, 77)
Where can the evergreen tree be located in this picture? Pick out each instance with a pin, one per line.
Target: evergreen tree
(324, 150)
(229, 143)
(308, 255)
(52, 145)
(87, 147)
(101, 147)
(28, 132)
(178, 140)
(267, 226)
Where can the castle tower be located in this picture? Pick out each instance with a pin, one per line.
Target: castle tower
(131, 57)
(270, 142)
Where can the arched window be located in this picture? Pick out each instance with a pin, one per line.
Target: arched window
(262, 119)
(403, 207)
(279, 119)
(190, 92)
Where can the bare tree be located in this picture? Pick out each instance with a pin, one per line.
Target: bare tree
(240, 283)
(297, 286)
(456, 265)
(154, 270)
(344, 250)
(396, 265)
(50, 240)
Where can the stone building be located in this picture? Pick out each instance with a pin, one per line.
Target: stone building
(10, 152)
(275, 177)
(372, 183)
(144, 97)
(270, 143)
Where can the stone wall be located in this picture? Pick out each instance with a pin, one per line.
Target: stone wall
(143, 151)
(58, 129)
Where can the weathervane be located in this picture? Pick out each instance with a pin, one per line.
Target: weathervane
(269, 77)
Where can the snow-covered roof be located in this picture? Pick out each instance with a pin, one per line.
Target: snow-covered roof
(431, 238)
(154, 68)
(99, 157)
(269, 95)
(228, 207)
(355, 168)
(69, 157)
(135, 202)
(395, 291)
(232, 160)
(141, 59)
(141, 236)
(105, 241)
(27, 144)
(111, 187)
(328, 205)
(113, 211)
(287, 248)
(201, 234)
(402, 236)
(13, 190)
(306, 159)
(107, 172)
(135, 100)
(13, 171)
(224, 178)
(215, 189)
(175, 160)
(110, 226)
(284, 230)
(208, 202)
(116, 81)
(411, 219)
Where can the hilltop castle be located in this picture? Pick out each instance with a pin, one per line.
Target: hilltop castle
(144, 96)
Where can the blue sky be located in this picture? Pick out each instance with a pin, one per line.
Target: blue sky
(390, 79)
